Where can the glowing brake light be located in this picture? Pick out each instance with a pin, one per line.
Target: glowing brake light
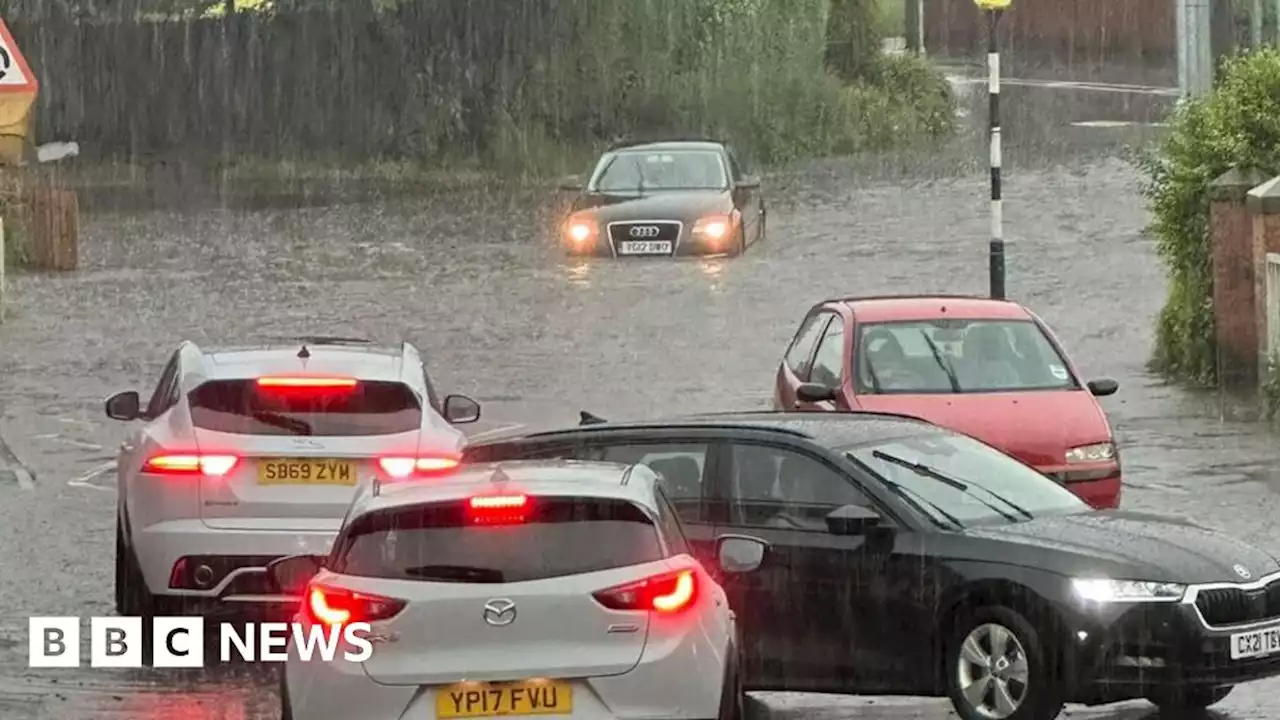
(666, 593)
(307, 382)
(400, 468)
(498, 509)
(190, 464)
(338, 606)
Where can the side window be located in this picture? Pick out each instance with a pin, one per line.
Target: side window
(780, 488)
(165, 395)
(735, 167)
(828, 363)
(802, 346)
(670, 526)
(680, 466)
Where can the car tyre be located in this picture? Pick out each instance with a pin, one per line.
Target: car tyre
(1189, 702)
(286, 707)
(996, 668)
(133, 598)
(731, 695)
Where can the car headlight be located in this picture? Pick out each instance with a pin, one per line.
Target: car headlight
(1097, 452)
(579, 230)
(1108, 590)
(714, 227)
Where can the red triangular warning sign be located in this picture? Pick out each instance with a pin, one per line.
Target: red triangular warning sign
(15, 73)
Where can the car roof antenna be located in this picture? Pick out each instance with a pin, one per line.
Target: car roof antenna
(586, 418)
(304, 353)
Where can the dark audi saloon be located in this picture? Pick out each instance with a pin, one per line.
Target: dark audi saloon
(664, 199)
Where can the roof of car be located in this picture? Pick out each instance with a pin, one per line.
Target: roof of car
(884, 308)
(535, 477)
(366, 362)
(666, 145)
(829, 429)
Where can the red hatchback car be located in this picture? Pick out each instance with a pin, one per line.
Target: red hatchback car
(988, 368)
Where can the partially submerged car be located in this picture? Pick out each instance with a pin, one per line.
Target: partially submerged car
(665, 199)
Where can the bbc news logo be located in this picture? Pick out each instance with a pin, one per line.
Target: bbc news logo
(179, 642)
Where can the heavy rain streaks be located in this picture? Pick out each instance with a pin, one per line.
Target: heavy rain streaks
(470, 275)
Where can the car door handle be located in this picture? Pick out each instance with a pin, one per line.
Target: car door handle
(126, 447)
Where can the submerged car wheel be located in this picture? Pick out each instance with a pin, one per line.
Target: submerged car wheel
(996, 668)
(1189, 701)
(132, 596)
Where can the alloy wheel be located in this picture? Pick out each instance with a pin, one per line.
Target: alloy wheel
(992, 672)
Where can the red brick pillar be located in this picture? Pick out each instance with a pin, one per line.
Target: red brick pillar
(1234, 285)
(1264, 206)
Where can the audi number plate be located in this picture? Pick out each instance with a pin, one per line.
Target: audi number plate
(1255, 643)
(644, 247)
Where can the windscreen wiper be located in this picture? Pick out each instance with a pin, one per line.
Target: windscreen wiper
(455, 573)
(946, 367)
(915, 498)
(926, 471)
(282, 421)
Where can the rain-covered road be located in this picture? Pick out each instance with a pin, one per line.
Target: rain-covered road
(470, 279)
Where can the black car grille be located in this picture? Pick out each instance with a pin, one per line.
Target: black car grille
(622, 232)
(1232, 606)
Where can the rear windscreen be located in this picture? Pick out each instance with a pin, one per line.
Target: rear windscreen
(439, 542)
(241, 407)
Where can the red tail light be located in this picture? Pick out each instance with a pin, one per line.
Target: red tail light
(400, 468)
(307, 382)
(338, 606)
(192, 464)
(666, 593)
(498, 509)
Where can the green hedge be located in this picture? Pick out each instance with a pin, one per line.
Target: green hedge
(1237, 125)
(783, 79)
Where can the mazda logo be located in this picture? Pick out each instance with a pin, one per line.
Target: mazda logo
(500, 612)
(644, 231)
(1242, 571)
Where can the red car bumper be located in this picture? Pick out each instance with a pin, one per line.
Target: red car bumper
(1098, 485)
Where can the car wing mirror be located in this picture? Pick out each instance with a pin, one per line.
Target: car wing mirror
(460, 409)
(1103, 387)
(290, 575)
(737, 554)
(749, 182)
(124, 406)
(852, 520)
(814, 392)
(571, 183)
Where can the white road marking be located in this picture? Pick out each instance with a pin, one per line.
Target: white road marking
(1116, 124)
(85, 480)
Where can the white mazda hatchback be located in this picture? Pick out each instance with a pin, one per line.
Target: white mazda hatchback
(244, 455)
(528, 588)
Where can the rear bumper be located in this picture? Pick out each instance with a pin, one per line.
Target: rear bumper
(238, 557)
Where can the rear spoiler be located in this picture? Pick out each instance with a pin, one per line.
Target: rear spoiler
(586, 418)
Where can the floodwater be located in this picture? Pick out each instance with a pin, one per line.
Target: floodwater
(471, 279)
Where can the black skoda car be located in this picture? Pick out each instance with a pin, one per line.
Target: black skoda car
(906, 559)
(675, 198)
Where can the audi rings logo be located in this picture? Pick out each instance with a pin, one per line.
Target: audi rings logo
(500, 612)
(644, 231)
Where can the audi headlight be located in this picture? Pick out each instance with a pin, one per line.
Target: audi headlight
(1108, 590)
(1097, 452)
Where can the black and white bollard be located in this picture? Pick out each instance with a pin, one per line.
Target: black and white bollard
(996, 253)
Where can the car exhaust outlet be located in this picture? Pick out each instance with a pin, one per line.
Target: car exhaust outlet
(203, 576)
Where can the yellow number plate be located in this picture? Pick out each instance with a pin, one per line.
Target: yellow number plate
(284, 471)
(473, 700)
